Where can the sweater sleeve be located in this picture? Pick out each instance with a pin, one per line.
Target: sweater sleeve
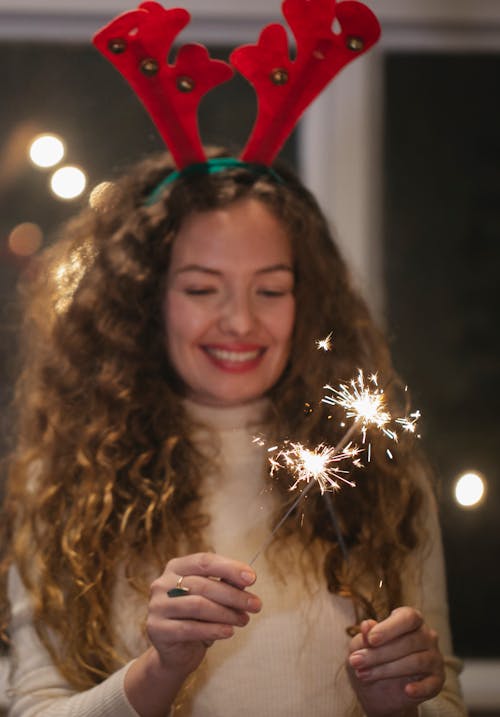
(425, 588)
(37, 688)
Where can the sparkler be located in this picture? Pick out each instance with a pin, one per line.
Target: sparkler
(326, 343)
(369, 408)
(312, 467)
(319, 466)
(409, 423)
(366, 405)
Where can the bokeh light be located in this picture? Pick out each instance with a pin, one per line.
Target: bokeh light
(68, 273)
(100, 195)
(25, 239)
(68, 182)
(46, 150)
(470, 489)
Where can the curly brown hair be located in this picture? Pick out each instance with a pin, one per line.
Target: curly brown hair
(105, 473)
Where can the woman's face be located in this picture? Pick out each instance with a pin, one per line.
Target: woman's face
(229, 303)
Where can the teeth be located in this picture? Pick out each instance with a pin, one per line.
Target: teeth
(241, 356)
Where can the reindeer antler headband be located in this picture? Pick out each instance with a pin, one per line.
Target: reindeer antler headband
(138, 43)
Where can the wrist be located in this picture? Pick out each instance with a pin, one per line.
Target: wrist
(150, 687)
(158, 671)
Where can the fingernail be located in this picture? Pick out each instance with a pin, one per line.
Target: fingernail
(375, 638)
(253, 604)
(356, 660)
(412, 690)
(248, 578)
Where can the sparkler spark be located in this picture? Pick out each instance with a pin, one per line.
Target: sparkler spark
(409, 423)
(367, 406)
(319, 464)
(311, 466)
(369, 409)
(326, 343)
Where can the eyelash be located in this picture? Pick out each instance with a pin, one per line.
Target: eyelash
(200, 292)
(272, 293)
(207, 291)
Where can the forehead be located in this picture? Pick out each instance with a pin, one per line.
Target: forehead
(245, 233)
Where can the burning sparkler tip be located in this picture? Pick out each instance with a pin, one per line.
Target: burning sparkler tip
(321, 464)
(326, 343)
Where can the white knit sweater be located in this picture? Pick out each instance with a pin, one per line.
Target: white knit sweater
(288, 661)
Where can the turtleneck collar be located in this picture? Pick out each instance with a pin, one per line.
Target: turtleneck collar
(253, 413)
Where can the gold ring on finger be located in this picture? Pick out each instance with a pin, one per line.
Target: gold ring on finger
(179, 590)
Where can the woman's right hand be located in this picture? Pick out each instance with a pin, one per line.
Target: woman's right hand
(182, 628)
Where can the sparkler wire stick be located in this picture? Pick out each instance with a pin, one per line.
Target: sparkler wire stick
(343, 442)
(336, 525)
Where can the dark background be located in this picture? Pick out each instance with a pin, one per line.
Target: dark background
(442, 263)
(441, 250)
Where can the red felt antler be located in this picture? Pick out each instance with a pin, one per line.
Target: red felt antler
(137, 43)
(286, 87)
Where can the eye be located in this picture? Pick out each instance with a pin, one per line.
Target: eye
(275, 290)
(201, 291)
(272, 293)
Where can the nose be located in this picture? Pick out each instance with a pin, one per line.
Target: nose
(237, 315)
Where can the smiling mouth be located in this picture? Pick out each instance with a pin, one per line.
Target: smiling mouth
(234, 359)
(233, 356)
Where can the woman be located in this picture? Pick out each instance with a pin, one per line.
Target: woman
(167, 329)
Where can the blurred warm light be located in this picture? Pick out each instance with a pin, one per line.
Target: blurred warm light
(99, 196)
(68, 182)
(469, 489)
(46, 150)
(68, 273)
(25, 239)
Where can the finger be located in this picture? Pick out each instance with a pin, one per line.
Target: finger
(360, 639)
(366, 627)
(168, 633)
(222, 593)
(401, 620)
(196, 607)
(425, 663)
(425, 688)
(416, 641)
(212, 565)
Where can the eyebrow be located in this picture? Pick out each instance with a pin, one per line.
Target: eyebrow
(215, 272)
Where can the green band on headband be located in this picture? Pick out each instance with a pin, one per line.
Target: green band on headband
(211, 166)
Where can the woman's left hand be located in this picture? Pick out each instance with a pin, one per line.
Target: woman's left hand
(395, 664)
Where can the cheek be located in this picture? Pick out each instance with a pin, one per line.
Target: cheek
(177, 323)
(182, 323)
(284, 324)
